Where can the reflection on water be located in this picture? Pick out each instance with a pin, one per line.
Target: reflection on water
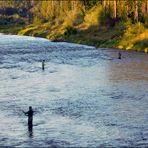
(85, 97)
(30, 131)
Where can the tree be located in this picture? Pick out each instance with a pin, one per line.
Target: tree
(115, 9)
(136, 11)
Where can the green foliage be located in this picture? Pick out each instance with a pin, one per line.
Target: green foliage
(12, 20)
(73, 18)
(27, 31)
(135, 37)
(53, 36)
(93, 16)
(143, 44)
(13, 29)
(89, 3)
(70, 30)
(37, 20)
(100, 23)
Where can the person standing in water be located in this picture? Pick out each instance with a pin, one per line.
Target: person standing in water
(43, 64)
(119, 55)
(30, 116)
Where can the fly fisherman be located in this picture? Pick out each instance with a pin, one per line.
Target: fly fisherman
(30, 116)
(119, 55)
(43, 64)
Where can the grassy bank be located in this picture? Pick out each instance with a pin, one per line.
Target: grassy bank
(11, 29)
(109, 24)
(132, 37)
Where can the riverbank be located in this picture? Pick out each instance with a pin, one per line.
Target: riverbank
(123, 36)
(11, 29)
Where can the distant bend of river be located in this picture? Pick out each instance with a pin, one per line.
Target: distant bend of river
(85, 97)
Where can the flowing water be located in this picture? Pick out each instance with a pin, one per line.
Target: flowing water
(85, 96)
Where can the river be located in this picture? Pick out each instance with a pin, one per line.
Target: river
(85, 97)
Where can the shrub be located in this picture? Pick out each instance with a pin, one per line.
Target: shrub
(135, 37)
(37, 20)
(93, 17)
(27, 31)
(73, 18)
(70, 30)
(53, 36)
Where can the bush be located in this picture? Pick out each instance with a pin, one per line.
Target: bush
(53, 36)
(93, 17)
(143, 44)
(70, 30)
(37, 20)
(73, 18)
(9, 20)
(135, 37)
(27, 31)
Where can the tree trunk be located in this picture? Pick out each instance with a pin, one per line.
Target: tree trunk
(115, 9)
(136, 11)
(147, 8)
(104, 5)
(108, 3)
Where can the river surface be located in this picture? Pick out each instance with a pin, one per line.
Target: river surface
(85, 97)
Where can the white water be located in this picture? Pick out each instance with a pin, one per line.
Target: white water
(85, 97)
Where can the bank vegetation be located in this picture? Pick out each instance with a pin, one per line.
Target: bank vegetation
(101, 23)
